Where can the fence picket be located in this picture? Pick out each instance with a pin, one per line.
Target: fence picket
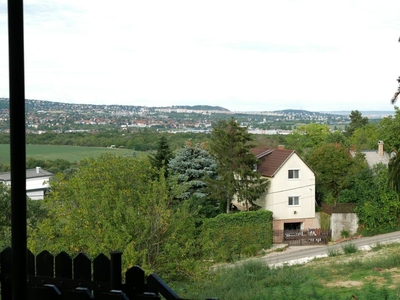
(31, 263)
(63, 266)
(6, 269)
(135, 280)
(45, 264)
(101, 268)
(82, 267)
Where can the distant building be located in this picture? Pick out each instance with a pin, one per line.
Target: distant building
(37, 182)
(374, 157)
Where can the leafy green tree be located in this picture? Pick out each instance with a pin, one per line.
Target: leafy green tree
(332, 163)
(109, 203)
(230, 145)
(308, 136)
(35, 213)
(389, 131)
(337, 137)
(394, 173)
(162, 156)
(116, 203)
(365, 138)
(356, 121)
(380, 207)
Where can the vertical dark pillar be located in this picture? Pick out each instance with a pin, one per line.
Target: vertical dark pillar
(17, 145)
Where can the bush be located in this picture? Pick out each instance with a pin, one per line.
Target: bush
(349, 248)
(344, 234)
(228, 236)
(333, 252)
(250, 250)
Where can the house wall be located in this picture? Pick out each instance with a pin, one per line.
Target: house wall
(37, 183)
(276, 200)
(306, 223)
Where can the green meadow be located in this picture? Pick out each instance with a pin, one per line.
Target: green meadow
(70, 153)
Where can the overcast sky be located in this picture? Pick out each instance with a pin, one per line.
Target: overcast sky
(242, 55)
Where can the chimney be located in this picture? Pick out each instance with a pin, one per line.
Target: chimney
(37, 170)
(281, 147)
(380, 148)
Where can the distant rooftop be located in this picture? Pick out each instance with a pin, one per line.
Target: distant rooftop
(30, 173)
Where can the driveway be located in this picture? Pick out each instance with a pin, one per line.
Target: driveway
(303, 254)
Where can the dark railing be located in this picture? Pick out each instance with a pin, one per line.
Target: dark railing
(301, 237)
(64, 278)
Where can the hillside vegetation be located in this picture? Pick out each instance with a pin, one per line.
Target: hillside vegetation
(362, 275)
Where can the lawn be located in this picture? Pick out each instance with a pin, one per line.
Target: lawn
(70, 153)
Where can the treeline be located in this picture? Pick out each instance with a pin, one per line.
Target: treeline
(141, 140)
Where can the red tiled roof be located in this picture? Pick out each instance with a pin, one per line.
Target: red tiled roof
(271, 159)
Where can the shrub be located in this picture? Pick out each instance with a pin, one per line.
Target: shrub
(228, 235)
(249, 251)
(333, 252)
(344, 234)
(349, 248)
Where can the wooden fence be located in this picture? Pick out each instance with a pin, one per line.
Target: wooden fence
(63, 278)
(300, 237)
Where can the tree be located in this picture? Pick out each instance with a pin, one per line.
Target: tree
(389, 131)
(380, 207)
(191, 165)
(162, 156)
(189, 170)
(309, 136)
(116, 203)
(109, 203)
(35, 213)
(365, 138)
(332, 163)
(356, 121)
(394, 173)
(229, 143)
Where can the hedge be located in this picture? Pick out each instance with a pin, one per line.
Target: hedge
(230, 236)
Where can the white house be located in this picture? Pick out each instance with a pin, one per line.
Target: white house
(291, 194)
(37, 182)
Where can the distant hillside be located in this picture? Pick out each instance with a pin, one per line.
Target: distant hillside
(201, 107)
(304, 112)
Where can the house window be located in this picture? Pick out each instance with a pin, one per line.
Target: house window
(294, 174)
(293, 200)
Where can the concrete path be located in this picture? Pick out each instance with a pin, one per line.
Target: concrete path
(303, 254)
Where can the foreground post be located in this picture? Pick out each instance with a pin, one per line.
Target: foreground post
(17, 147)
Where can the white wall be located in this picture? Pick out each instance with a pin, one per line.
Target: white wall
(343, 221)
(276, 200)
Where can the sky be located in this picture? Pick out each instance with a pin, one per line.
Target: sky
(242, 55)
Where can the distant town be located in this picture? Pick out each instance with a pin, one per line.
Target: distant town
(43, 116)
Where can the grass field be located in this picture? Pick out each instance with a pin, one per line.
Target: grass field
(363, 275)
(70, 153)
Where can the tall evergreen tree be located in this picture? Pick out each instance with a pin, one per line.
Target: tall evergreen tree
(162, 156)
(191, 165)
(230, 145)
(356, 121)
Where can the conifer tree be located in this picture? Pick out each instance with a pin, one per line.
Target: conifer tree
(162, 156)
(230, 145)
